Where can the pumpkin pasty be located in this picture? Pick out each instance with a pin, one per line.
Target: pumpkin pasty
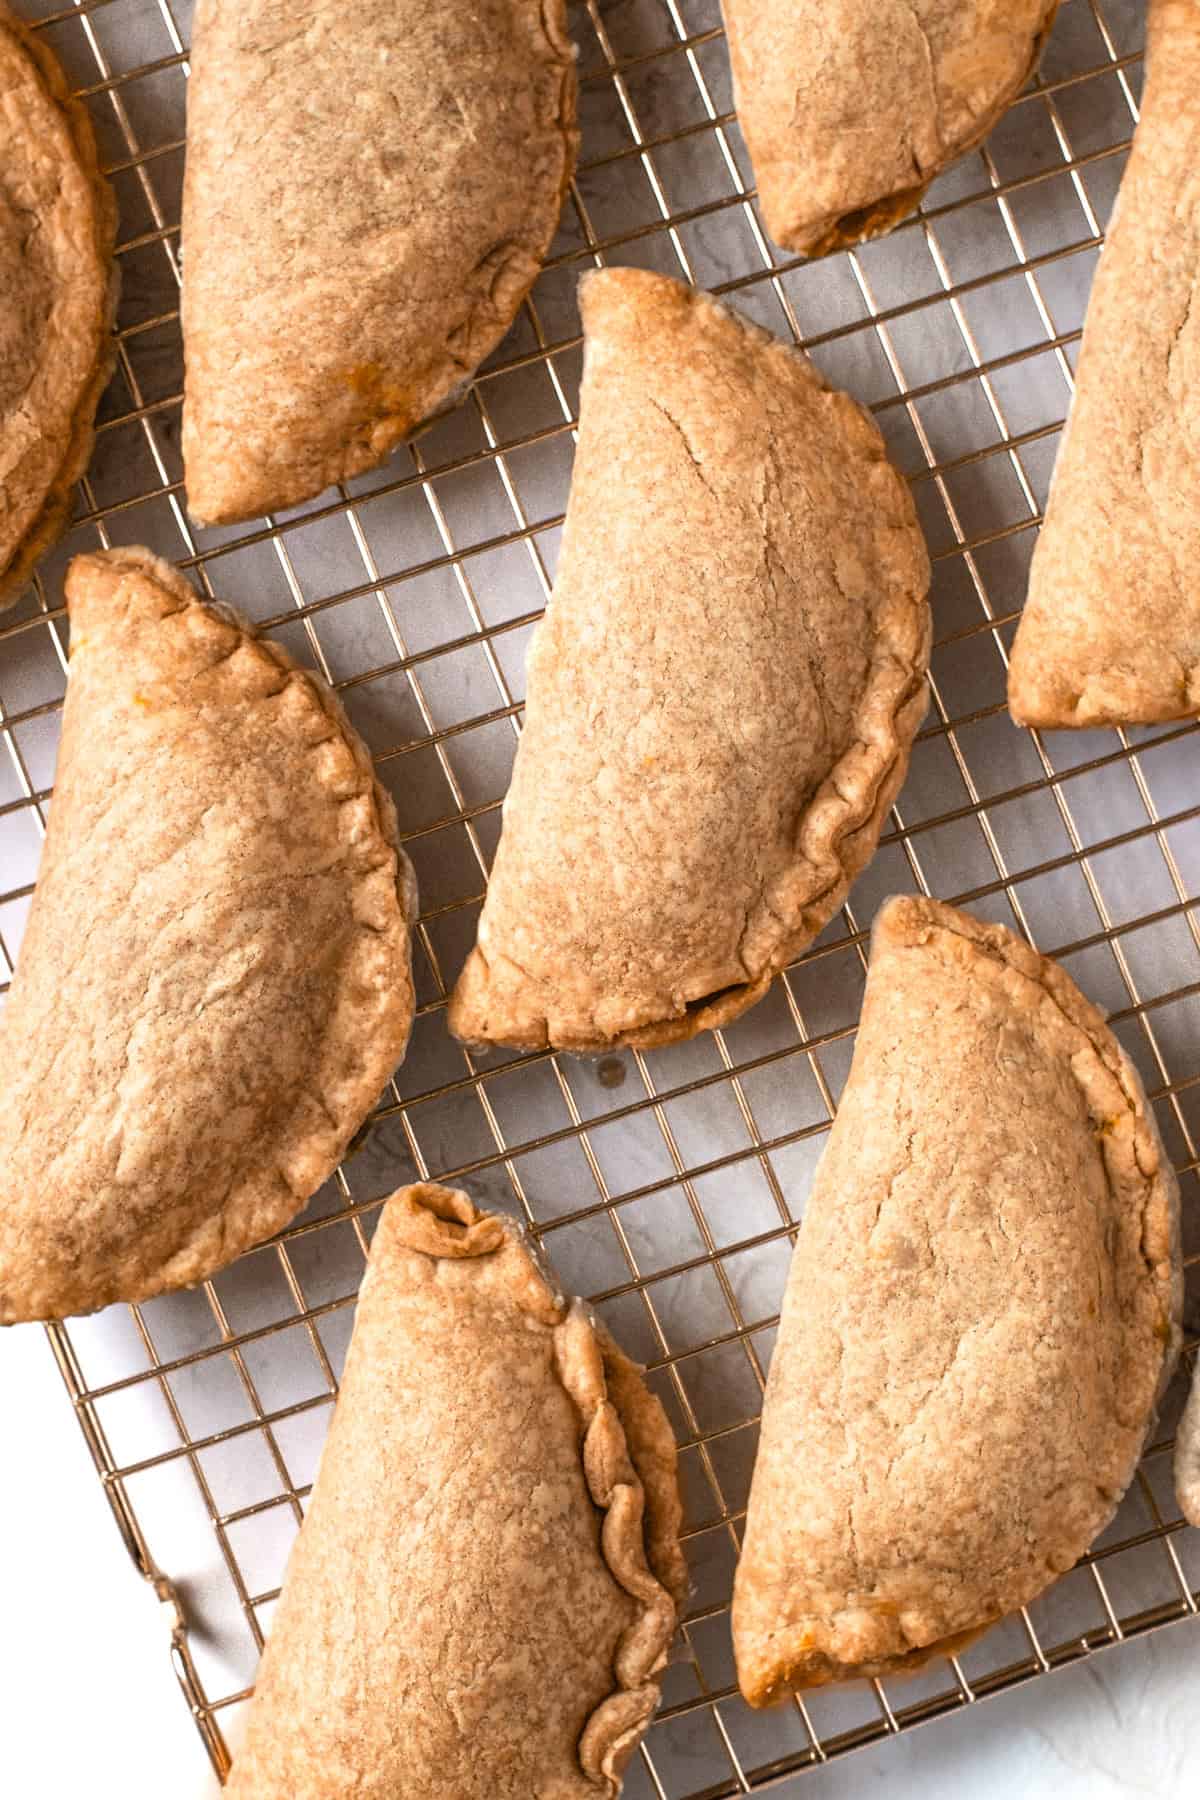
(370, 193)
(850, 108)
(1187, 1456)
(215, 983)
(1110, 634)
(721, 697)
(58, 291)
(982, 1311)
(486, 1584)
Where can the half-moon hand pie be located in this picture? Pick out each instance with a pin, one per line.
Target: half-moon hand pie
(58, 292)
(1110, 634)
(370, 193)
(850, 108)
(214, 984)
(721, 697)
(982, 1311)
(483, 1592)
(1187, 1457)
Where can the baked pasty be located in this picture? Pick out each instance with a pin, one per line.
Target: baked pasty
(850, 108)
(982, 1311)
(58, 292)
(1111, 629)
(214, 984)
(1187, 1457)
(370, 193)
(721, 697)
(486, 1583)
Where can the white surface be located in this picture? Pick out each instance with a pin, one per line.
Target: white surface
(91, 1707)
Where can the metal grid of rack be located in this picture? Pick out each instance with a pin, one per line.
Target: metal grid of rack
(667, 1185)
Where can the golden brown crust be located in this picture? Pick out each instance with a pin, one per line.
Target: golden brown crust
(58, 298)
(485, 1587)
(982, 1312)
(721, 697)
(214, 985)
(1110, 634)
(327, 319)
(850, 108)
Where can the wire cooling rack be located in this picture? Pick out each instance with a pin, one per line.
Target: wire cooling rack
(665, 1185)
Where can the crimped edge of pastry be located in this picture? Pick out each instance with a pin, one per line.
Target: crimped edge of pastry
(840, 825)
(430, 394)
(875, 218)
(51, 522)
(269, 1197)
(628, 1454)
(820, 1650)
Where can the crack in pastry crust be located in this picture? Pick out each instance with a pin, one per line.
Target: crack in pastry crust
(721, 697)
(428, 149)
(1110, 634)
(496, 1441)
(995, 1190)
(215, 982)
(852, 108)
(58, 295)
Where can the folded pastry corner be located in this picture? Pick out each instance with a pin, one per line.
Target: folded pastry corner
(486, 1585)
(214, 984)
(983, 1309)
(850, 108)
(722, 695)
(370, 194)
(1110, 634)
(58, 297)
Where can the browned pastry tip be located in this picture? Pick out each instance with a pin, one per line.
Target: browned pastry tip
(215, 982)
(482, 1597)
(722, 695)
(983, 1309)
(58, 297)
(369, 197)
